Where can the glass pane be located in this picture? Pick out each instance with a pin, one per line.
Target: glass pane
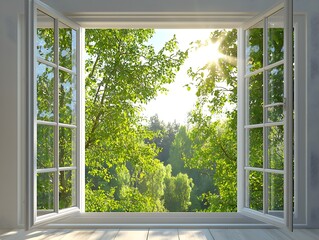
(45, 36)
(45, 146)
(275, 114)
(256, 190)
(276, 85)
(45, 193)
(254, 50)
(67, 147)
(276, 147)
(45, 92)
(255, 99)
(276, 37)
(255, 147)
(276, 194)
(67, 98)
(67, 191)
(67, 46)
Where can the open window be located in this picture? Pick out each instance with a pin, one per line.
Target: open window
(55, 120)
(264, 119)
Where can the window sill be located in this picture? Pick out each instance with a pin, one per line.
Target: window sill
(157, 220)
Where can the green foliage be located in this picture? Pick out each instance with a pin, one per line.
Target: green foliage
(202, 177)
(177, 191)
(99, 200)
(214, 142)
(125, 72)
(164, 136)
(214, 121)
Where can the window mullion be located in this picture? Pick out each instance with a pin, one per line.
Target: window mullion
(56, 114)
(246, 160)
(80, 123)
(33, 117)
(265, 141)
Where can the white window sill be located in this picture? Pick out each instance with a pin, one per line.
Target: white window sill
(157, 220)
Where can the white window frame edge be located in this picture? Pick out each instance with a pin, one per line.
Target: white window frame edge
(163, 20)
(288, 95)
(300, 119)
(30, 112)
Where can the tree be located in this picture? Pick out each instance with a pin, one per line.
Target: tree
(179, 148)
(164, 136)
(202, 178)
(124, 72)
(214, 142)
(177, 191)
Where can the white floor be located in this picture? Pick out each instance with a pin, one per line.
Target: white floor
(161, 234)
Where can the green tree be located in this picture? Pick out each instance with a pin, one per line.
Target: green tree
(177, 191)
(123, 73)
(214, 142)
(202, 178)
(164, 136)
(180, 148)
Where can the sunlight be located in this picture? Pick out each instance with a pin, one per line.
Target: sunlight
(9, 233)
(179, 101)
(207, 54)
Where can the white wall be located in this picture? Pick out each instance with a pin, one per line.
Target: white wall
(313, 115)
(9, 111)
(12, 80)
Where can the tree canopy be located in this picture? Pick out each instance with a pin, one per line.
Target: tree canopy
(124, 72)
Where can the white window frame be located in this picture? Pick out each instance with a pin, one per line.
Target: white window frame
(32, 218)
(287, 122)
(176, 20)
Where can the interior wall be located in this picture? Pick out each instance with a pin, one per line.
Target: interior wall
(12, 86)
(11, 12)
(313, 115)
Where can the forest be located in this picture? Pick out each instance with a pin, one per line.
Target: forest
(157, 166)
(133, 164)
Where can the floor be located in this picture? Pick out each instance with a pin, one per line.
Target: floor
(162, 234)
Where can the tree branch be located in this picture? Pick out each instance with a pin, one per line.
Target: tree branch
(97, 118)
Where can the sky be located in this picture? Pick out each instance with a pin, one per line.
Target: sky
(178, 101)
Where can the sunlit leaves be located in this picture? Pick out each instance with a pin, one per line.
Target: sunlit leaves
(213, 121)
(213, 131)
(124, 72)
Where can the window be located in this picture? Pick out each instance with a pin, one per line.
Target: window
(56, 129)
(56, 121)
(267, 119)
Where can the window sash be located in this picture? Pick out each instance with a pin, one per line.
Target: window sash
(77, 165)
(244, 126)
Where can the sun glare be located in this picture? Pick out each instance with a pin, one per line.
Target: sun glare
(207, 54)
(179, 100)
